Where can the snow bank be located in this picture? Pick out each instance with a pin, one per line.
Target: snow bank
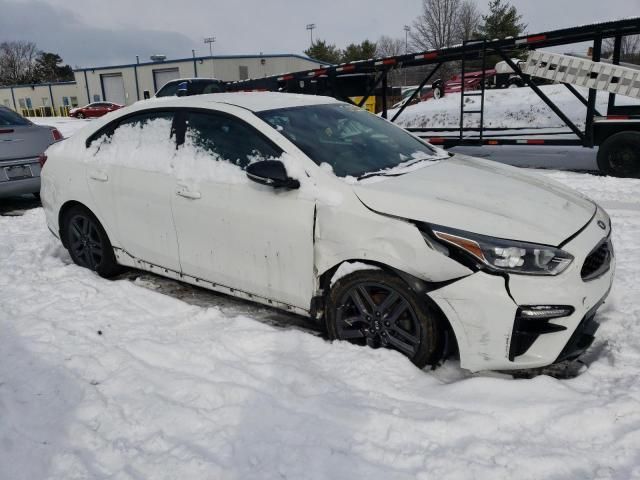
(107, 379)
(508, 108)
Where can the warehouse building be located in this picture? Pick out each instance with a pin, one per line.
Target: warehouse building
(126, 84)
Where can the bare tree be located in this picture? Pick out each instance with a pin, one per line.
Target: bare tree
(629, 48)
(437, 26)
(389, 47)
(17, 62)
(469, 18)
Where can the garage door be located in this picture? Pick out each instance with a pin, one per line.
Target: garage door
(164, 75)
(113, 88)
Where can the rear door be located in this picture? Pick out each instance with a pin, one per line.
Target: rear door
(132, 184)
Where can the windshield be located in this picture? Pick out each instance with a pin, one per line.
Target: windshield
(352, 141)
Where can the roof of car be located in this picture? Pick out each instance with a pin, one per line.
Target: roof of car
(254, 101)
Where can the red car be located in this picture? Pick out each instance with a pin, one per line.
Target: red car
(94, 110)
(472, 81)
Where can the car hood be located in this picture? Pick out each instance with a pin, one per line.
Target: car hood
(483, 197)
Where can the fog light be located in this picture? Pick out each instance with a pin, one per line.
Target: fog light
(545, 311)
(532, 321)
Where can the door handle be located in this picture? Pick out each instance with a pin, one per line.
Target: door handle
(99, 176)
(190, 194)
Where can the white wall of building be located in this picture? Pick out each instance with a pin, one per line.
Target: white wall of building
(44, 95)
(224, 68)
(89, 84)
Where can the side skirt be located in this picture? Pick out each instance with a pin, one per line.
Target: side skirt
(124, 258)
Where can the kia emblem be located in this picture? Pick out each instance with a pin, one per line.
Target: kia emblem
(602, 225)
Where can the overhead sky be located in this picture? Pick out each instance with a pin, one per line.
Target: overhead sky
(102, 32)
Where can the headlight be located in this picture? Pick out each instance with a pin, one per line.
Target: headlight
(506, 255)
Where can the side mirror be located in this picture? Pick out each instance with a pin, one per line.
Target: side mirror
(271, 173)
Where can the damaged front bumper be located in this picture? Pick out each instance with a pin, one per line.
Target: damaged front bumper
(485, 311)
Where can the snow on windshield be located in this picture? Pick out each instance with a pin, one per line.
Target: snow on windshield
(352, 141)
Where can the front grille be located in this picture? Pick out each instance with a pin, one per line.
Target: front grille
(597, 262)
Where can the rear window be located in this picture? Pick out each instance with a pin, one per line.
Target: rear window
(168, 90)
(9, 117)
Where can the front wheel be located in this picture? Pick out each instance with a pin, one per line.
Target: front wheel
(377, 309)
(88, 243)
(80, 116)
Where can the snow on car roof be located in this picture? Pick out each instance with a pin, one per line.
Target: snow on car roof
(254, 101)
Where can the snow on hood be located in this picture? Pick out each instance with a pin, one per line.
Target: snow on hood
(482, 197)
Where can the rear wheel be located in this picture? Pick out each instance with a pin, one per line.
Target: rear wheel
(88, 243)
(377, 309)
(619, 155)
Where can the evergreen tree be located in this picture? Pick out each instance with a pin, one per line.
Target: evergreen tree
(502, 21)
(362, 51)
(48, 68)
(321, 50)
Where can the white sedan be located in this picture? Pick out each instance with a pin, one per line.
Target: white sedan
(317, 207)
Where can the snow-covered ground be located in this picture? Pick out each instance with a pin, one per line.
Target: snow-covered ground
(67, 125)
(146, 378)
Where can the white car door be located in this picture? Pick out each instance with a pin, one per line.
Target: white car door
(235, 232)
(131, 182)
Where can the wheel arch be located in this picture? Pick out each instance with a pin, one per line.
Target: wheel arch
(419, 286)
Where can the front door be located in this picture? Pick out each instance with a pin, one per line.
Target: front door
(235, 232)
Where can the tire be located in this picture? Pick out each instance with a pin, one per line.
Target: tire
(619, 155)
(438, 89)
(515, 83)
(88, 243)
(80, 116)
(356, 310)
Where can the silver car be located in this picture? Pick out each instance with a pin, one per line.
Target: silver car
(22, 146)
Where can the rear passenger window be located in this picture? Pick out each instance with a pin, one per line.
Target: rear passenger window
(227, 138)
(161, 120)
(143, 119)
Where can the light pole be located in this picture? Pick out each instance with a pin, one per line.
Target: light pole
(211, 41)
(311, 27)
(407, 29)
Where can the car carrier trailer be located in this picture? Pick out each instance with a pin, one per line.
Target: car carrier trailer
(616, 131)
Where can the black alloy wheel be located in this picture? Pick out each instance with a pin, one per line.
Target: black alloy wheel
(88, 243)
(84, 242)
(377, 309)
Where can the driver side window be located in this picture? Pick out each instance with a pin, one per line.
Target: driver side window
(228, 138)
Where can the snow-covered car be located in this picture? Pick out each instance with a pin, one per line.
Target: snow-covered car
(319, 208)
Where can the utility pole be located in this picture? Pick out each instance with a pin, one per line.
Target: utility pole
(311, 27)
(211, 41)
(407, 29)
